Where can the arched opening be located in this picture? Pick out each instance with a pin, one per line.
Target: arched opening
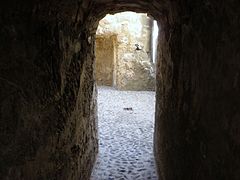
(163, 67)
(47, 101)
(62, 36)
(125, 74)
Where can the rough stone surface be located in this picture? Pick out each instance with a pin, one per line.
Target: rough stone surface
(47, 99)
(197, 113)
(131, 28)
(48, 128)
(126, 124)
(105, 60)
(136, 73)
(133, 69)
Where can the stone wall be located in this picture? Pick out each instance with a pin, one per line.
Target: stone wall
(197, 113)
(134, 72)
(47, 91)
(105, 60)
(134, 68)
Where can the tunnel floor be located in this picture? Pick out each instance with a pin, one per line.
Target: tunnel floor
(126, 125)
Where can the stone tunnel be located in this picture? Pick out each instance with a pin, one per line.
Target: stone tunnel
(48, 91)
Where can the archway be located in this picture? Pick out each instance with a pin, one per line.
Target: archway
(56, 45)
(48, 128)
(164, 66)
(126, 103)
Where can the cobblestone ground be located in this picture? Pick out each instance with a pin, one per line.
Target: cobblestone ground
(126, 124)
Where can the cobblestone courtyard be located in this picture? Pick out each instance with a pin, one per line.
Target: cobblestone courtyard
(126, 125)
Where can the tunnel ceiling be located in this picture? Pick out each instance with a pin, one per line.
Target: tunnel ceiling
(162, 11)
(155, 8)
(97, 9)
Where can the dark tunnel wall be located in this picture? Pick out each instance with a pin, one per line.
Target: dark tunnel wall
(48, 96)
(197, 117)
(47, 90)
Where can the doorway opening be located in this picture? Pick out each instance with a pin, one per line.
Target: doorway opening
(126, 45)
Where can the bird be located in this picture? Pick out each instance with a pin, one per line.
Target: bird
(138, 47)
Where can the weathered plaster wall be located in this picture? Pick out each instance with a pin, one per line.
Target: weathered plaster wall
(105, 52)
(134, 70)
(47, 94)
